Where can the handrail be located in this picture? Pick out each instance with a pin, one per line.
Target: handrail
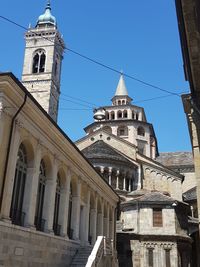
(97, 253)
(103, 247)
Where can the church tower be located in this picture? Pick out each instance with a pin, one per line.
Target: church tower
(42, 62)
(127, 121)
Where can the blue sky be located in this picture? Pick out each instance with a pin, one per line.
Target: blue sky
(139, 37)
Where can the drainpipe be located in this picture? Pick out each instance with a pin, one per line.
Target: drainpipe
(8, 149)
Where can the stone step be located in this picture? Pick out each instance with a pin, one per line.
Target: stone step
(81, 257)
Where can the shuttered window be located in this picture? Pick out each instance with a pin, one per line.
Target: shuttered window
(157, 218)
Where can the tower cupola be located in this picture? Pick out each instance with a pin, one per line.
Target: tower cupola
(121, 95)
(47, 18)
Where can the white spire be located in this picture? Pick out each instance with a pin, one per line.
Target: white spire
(121, 87)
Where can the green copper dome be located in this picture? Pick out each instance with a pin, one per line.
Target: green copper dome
(47, 17)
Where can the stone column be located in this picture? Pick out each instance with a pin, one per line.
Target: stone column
(49, 199)
(124, 183)
(105, 225)
(139, 183)
(93, 222)
(117, 182)
(129, 186)
(86, 230)
(75, 218)
(108, 222)
(10, 176)
(30, 197)
(100, 221)
(110, 175)
(2, 122)
(102, 170)
(64, 204)
(112, 223)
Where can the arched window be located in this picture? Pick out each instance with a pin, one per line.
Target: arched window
(125, 115)
(122, 131)
(123, 102)
(112, 115)
(140, 131)
(119, 102)
(39, 221)
(119, 114)
(69, 230)
(16, 211)
(137, 116)
(39, 60)
(56, 226)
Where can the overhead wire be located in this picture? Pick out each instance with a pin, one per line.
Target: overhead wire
(95, 61)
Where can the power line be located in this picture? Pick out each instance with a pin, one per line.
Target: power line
(95, 61)
(71, 101)
(78, 109)
(72, 97)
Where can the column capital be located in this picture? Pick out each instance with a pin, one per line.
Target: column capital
(102, 168)
(110, 170)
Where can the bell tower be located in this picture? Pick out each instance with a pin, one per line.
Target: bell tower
(42, 62)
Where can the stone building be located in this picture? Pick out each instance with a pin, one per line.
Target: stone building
(53, 203)
(152, 227)
(188, 14)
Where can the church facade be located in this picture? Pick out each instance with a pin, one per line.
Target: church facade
(53, 203)
(152, 226)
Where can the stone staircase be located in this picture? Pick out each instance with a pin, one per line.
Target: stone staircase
(81, 257)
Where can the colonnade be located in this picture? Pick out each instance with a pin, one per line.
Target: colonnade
(120, 179)
(82, 212)
(123, 114)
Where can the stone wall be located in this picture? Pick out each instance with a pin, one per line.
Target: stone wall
(21, 247)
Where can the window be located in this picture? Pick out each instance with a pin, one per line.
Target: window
(119, 114)
(39, 221)
(112, 115)
(122, 131)
(39, 62)
(150, 257)
(16, 211)
(157, 218)
(56, 226)
(140, 131)
(167, 258)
